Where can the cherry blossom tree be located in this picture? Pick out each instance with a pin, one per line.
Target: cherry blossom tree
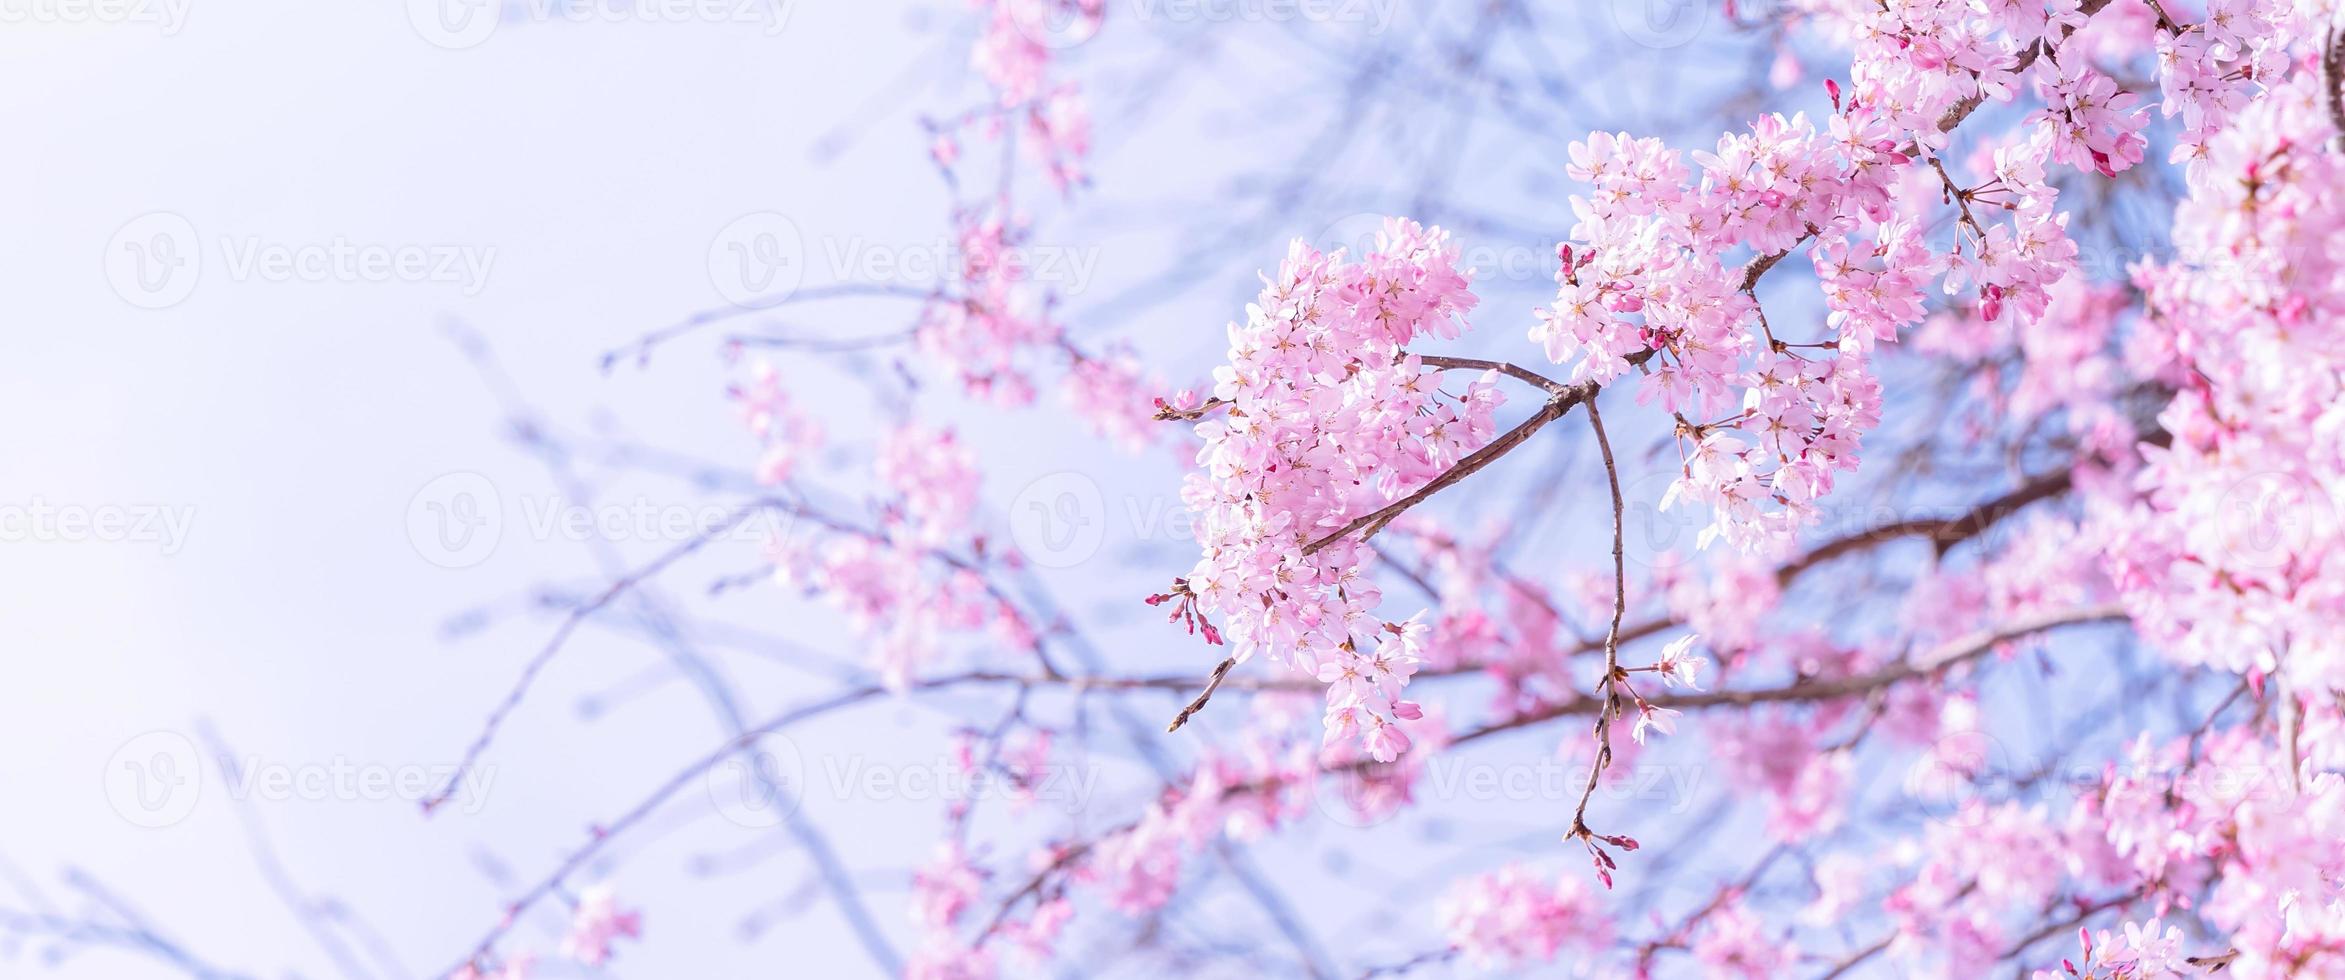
(1991, 352)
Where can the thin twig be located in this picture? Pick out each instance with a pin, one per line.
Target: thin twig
(570, 623)
(2333, 75)
(641, 349)
(1553, 386)
(1212, 684)
(1554, 408)
(1168, 413)
(1612, 675)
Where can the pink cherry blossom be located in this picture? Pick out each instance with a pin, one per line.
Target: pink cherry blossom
(597, 923)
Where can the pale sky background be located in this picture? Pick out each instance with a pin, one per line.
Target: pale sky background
(296, 420)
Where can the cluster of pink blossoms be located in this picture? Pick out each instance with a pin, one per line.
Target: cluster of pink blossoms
(997, 334)
(1513, 916)
(1013, 51)
(1263, 782)
(1735, 941)
(1325, 417)
(2092, 124)
(2236, 556)
(787, 434)
(2139, 952)
(1501, 624)
(1645, 285)
(1642, 285)
(516, 967)
(900, 585)
(2211, 70)
(990, 332)
(1769, 416)
(1112, 393)
(998, 325)
(598, 922)
(1979, 872)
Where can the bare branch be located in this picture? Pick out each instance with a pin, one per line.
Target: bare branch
(1552, 386)
(1212, 684)
(1554, 408)
(553, 645)
(1610, 684)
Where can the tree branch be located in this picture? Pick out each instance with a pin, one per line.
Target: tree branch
(1610, 684)
(1220, 670)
